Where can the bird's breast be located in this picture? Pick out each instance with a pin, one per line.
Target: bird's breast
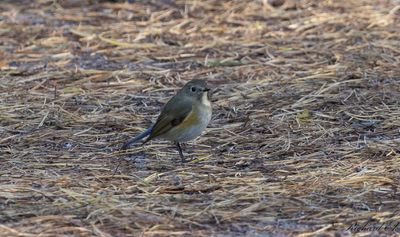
(193, 125)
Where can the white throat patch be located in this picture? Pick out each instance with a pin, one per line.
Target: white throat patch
(204, 100)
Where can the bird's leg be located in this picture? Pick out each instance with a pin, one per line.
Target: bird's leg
(180, 152)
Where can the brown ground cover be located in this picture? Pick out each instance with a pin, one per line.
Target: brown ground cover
(304, 138)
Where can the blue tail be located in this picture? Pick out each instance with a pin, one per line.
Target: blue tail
(137, 138)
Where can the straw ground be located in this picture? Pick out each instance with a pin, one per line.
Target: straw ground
(304, 138)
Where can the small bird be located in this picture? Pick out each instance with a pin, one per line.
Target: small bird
(183, 118)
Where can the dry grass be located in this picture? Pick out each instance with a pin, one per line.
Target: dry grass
(305, 132)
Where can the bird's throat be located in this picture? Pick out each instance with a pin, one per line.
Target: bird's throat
(205, 101)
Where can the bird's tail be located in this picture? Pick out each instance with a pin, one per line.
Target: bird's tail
(137, 138)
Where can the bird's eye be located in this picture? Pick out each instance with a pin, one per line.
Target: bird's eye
(193, 89)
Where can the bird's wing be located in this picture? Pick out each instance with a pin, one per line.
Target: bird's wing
(174, 112)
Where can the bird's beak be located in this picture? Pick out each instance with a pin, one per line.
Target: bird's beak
(206, 89)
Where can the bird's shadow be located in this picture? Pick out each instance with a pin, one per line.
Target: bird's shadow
(143, 161)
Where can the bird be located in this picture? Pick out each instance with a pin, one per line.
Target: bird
(183, 118)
